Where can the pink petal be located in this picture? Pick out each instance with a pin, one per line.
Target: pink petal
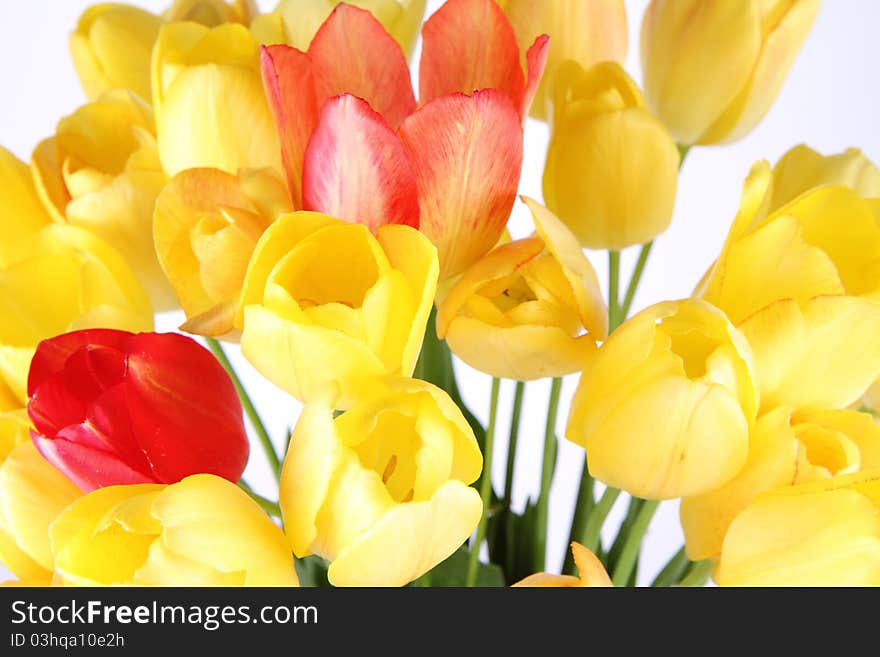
(355, 55)
(467, 154)
(356, 168)
(536, 62)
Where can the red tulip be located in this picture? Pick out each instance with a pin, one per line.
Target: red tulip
(355, 145)
(112, 407)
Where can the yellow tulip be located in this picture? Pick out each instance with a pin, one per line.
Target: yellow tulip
(591, 573)
(327, 306)
(101, 172)
(32, 494)
(825, 242)
(209, 102)
(612, 168)
(67, 279)
(295, 22)
(19, 201)
(529, 309)
(665, 407)
(201, 531)
(212, 13)
(583, 31)
(205, 227)
(111, 49)
(824, 533)
(714, 67)
(382, 490)
(787, 448)
(801, 169)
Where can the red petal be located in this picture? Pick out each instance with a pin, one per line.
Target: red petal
(356, 55)
(87, 467)
(536, 62)
(289, 81)
(356, 168)
(467, 154)
(110, 420)
(53, 405)
(184, 409)
(469, 45)
(51, 354)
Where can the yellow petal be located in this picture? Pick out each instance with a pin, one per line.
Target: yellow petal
(822, 355)
(111, 49)
(827, 538)
(696, 56)
(419, 535)
(802, 169)
(18, 199)
(214, 522)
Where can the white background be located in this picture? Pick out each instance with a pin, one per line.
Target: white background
(829, 101)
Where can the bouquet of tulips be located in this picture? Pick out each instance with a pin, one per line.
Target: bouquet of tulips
(277, 178)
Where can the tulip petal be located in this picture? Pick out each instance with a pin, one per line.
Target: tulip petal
(176, 388)
(469, 45)
(241, 538)
(18, 199)
(467, 155)
(411, 253)
(355, 168)
(827, 538)
(409, 539)
(32, 494)
(821, 355)
(356, 55)
(87, 467)
(289, 78)
(536, 62)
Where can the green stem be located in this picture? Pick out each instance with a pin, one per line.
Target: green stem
(548, 465)
(632, 512)
(673, 570)
(485, 486)
(634, 281)
(590, 537)
(267, 505)
(582, 508)
(633, 544)
(250, 411)
(698, 574)
(613, 292)
(512, 442)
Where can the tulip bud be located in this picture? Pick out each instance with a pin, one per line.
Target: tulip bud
(101, 172)
(112, 407)
(32, 494)
(529, 309)
(202, 531)
(209, 102)
(612, 168)
(714, 67)
(824, 242)
(19, 199)
(205, 225)
(584, 31)
(591, 573)
(787, 448)
(327, 306)
(111, 49)
(295, 22)
(382, 490)
(664, 409)
(66, 279)
(825, 533)
(801, 169)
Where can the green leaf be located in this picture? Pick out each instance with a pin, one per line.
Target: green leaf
(312, 571)
(453, 572)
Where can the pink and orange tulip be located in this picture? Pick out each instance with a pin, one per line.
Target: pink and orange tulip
(356, 145)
